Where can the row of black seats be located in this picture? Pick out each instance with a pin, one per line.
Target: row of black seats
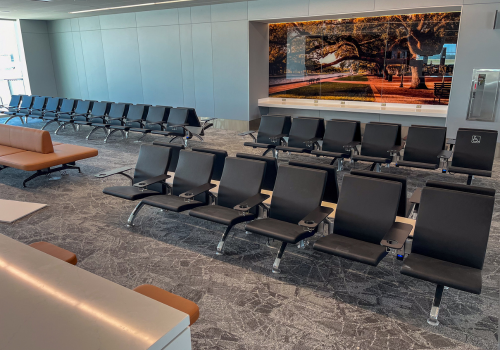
(364, 225)
(424, 147)
(108, 116)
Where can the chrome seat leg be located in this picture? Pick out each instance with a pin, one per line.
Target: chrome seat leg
(340, 164)
(277, 261)
(131, 218)
(433, 318)
(220, 246)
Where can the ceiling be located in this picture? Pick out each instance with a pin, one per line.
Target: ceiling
(59, 9)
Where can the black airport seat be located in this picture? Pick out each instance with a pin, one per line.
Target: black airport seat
(82, 112)
(474, 152)
(271, 169)
(304, 135)
(52, 116)
(379, 140)
(21, 111)
(115, 114)
(97, 115)
(190, 186)
(238, 196)
(149, 178)
(156, 117)
(295, 211)
(424, 146)
(13, 104)
(136, 114)
(174, 151)
(364, 220)
(338, 134)
(450, 239)
(332, 186)
(219, 161)
(404, 208)
(174, 128)
(50, 108)
(271, 131)
(37, 107)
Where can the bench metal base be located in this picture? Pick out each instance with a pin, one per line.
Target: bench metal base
(48, 171)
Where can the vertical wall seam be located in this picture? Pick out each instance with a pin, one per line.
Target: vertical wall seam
(139, 52)
(83, 57)
(52, 59)
(192, 60)
(76, 65)
(180, 56)
(104, 59)
(212, 51)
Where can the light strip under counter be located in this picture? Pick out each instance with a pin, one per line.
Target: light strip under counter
(434, 111)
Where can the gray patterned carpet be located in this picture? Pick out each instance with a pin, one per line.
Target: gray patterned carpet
(318, 302)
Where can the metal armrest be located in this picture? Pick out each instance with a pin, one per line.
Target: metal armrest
(119, 118)
(196, 191)
(249, 133)
(277, 138)
(313, 141)
(178, 125)
(114, 172)
(251, 202)
(140, 121)
(451, 141)
(153, 180)
(415, 197)
(314, 218)
(351, 145)
(444, 154)
(397, 235)
(395, 148)
(155, 123)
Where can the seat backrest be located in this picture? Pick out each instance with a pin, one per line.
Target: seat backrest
(423, 144)
(332, 186)
(271, 169)
(136, 112)
(67, 105)
(453, 226)
(241, 179)
(118, 110)
(53, 104)
(459, 187)
(27, 139)
(39, 102)
(403, 200)
(339, 133)
(378, 139)
(475, 149)
(305, 129)
(157, 114)
(367, 208)
(82, 107)
(298, 191)
(177, 116)
(174, 152)
(26, 102)
(398, 137)
(100, 108)
(15, 100)
(193, 119)
(153, 161)
(271, 125)
(193, 169)
(220, 158)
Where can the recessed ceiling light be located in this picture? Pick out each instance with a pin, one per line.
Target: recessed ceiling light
(123, 7)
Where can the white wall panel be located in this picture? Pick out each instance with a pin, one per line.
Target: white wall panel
(323, 7)
(65, 68)
(75, 25)
(89, 23)
(95, 69)
(187, 65)
(230, 69)
(121, 20)
(200, 14)
(59, 26)
(157, 18)
(408, 4)
(33, 26)
(184, 15)
(161, 69)
(229, 12)
(80, 65)
(123, 70)
(265, 9)
(203, 74)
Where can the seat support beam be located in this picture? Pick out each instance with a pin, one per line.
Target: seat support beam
(433, 318)
(276, 265)
(220, 246)
(131, 218)
(48, 171)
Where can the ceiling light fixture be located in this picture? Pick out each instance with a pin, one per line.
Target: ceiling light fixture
(128, 6)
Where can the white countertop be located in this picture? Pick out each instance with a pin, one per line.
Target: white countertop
(434, 111)
(48, 304)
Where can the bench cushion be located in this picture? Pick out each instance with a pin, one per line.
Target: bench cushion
(55, 251)
(172, 300)
(26, 139)
(32, 161)
(6, 150)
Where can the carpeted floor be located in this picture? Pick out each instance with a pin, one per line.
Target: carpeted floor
(318, 302)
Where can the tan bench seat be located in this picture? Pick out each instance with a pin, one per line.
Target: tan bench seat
(33, 150)
(55, 251)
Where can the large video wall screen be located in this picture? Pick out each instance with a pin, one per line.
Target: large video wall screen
(389, 59)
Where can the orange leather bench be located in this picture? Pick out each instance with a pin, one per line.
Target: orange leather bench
(33, 150)
(55, 251)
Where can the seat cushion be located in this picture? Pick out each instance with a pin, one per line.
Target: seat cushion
(443, 272)
(372, 159)
(6, 150)
(63, 154)
(417, 165)
(277, 229)
(129, 192)
(455, 169)
(119, 127)
(352, 249)
(173, 203)
(221, 215)
(56, 252)
(144, 131)
(161, 132)
(172, 300)
(332, 154)
(259, 145)
(293, 149)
